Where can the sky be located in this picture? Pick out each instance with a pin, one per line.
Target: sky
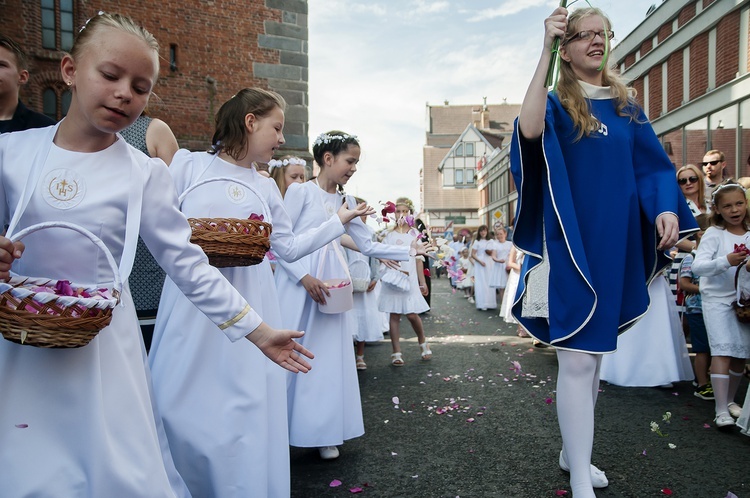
(376, 64)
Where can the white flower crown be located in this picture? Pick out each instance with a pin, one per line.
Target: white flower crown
(325, 138)
(276, 163)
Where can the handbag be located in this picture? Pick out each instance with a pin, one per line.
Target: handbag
(741, 305)
(397, 280)
(359, 270)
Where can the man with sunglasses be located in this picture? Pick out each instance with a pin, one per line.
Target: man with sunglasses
(713, 166)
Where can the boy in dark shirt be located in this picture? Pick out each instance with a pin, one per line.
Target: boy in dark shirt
(14, 116)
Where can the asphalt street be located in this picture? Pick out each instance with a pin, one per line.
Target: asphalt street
(479, 420)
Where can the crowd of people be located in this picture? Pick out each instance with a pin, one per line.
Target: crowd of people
(207, 393)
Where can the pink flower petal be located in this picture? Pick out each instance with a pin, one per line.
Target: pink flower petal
(470, 419)
(22, 426)
(730, 495)
(395, 400)
(356, 490)
(706, 426)
(561, 492)
(667, 491)
(335, 483)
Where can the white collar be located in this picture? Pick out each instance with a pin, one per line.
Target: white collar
(594, 92)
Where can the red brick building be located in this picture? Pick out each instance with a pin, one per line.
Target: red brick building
(689, 62)
(209, 50)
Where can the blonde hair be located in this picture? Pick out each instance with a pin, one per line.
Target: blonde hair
(571, 94)
(405, 201)
(277, 174)
(701, 183)
(115, 21)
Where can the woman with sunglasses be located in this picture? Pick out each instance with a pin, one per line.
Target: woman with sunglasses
(693, 186)
(597, 208)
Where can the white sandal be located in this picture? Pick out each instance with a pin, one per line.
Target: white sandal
(397, 360)
(361, 365)
(426, 351)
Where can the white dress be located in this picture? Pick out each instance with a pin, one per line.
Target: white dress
(93, 429)
(403, 302)
(727, 336)
(510, 291)
(224, 404)
(498, 274)
(368, 318)
(467, 279)
(324, 405)
(484, 296)
(653, 352)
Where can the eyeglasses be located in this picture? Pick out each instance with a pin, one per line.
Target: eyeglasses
(590, 35)
(712, 163)
(690, 179)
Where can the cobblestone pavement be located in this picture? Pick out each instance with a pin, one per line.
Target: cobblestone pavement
(472, 423)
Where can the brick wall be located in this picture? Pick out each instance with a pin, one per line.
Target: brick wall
(654, 92)
(675, 87)
(664, 31)
(222, 46)
(687, 13)
(646, 46)
(638, 86)
(727, 48)
(698, 65)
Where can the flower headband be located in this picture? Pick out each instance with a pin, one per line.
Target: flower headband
(276, 163)
(325, 138)
(724, 186)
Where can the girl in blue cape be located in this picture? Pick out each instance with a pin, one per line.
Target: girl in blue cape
(597, 208)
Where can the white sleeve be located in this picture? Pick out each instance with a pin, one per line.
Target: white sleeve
(288, 246)
(708, 261)
(363, 238)
(166, 233)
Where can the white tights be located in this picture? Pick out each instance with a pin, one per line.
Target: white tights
(577, 390)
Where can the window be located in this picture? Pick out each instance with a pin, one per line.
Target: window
(57, 19)
(469, 149)
(470, 176)
(459, 177)
(459, 150)
(49, 103)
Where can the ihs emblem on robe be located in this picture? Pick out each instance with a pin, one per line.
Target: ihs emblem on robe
(63, 188)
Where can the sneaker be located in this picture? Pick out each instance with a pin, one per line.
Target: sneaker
(735, 410)
(329, 452)
(704, 392)
(471, 300)
(724, 420)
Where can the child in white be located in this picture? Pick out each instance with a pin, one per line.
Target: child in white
(224, 406)
(369, 326)
(90, 427)
(409, 302)
(485, 296)
(500, 251)
(515, 260)
(325, 409)
(722, 249)
(466, 280)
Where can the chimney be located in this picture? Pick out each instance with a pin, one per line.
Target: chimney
(485, 116)
(476, 117)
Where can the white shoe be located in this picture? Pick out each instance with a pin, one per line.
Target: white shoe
(329, 452)
(598, 478)
(471, 300)
(735, 410)
(724, 420)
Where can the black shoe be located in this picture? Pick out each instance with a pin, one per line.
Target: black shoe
(704, 392)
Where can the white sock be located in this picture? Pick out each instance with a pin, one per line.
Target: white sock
(575, 413)
(734, 384)
(720, 383)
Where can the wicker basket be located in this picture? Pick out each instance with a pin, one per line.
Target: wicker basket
(231, 241)
(359, 270)
(741, 306)
(56, 321)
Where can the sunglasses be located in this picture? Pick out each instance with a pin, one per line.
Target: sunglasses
(712, 163)
(690, 179)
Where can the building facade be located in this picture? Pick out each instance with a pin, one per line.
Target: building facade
(688, 61)
(209, 49)
(460, 141)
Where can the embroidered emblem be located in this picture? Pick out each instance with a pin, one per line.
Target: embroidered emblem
(399, 242)
(236, 193)
(63, 189)
(603, 130)
(329, 210)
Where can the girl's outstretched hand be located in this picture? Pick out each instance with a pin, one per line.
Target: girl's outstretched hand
(281, 348)
(421, 249)
(346, 215)
(9, 252)
(390, 263)
(316, 288)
